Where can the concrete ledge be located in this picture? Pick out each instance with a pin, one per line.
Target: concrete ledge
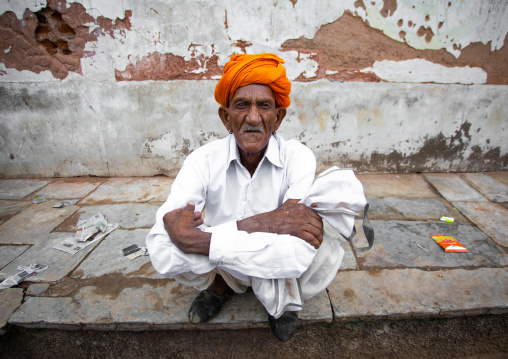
(160, 305)
(415, 293)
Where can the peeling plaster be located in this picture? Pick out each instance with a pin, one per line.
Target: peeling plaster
(419, 70)
(196, 31)
(53, 38)
(336, 48)
(452, 22)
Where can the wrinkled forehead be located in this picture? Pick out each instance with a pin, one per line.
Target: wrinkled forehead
(254, 92)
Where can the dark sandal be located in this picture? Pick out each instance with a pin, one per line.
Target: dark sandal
(206, 306)
(285, 326)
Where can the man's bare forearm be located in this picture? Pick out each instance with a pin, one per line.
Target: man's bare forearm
(181, 227)
(290, 218)
(257, 223)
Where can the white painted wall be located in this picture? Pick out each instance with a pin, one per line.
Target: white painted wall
(73, 128)
(90, 124)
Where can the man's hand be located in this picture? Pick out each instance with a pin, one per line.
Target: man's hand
(181, 226)
(291, 218)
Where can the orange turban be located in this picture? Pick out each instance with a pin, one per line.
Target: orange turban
(243, 70)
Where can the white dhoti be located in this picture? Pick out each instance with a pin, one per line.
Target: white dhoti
(282, 270)
(279, 295)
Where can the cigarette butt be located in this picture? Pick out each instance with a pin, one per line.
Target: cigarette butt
(419, 246)
(447, 219)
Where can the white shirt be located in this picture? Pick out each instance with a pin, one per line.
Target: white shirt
(213, 175)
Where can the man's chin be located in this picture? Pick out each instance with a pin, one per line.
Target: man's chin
(252, 148)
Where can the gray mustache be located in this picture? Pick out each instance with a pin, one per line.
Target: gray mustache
(250, 128)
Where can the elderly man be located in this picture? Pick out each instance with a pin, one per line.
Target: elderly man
(255, 232)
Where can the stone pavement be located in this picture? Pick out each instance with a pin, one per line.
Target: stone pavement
(99, 288)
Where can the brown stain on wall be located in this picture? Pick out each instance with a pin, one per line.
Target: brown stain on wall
(435, 150)
(427, 32)
(53, 38)
(349, 45)
(389, 7)
(167, 67)
(360, 3)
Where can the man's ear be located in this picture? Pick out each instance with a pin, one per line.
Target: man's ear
(224, 116)
(281, 113)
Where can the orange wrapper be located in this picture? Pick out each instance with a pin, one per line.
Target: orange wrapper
(448, 243)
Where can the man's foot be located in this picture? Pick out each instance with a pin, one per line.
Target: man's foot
(285, 326)
(206, 306)
(209, 302)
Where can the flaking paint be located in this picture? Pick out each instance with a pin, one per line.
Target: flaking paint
(137, 97)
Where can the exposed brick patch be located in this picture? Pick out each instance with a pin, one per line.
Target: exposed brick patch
(51, 39)
(109, 26)
(349, 45)
(495, 63)
(167, 67)
(242, 45)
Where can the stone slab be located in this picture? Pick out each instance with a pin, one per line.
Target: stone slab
(9, 253)
(501, 176)
(135, 190)
(108, 258)
(10, 300)
(127, 215)
(416, 209)
(453, 187)
(10, 208)
(396, 246)
(19, 188)
(59, 263)
(245, 311)
(70, 188)
(489, 217)
(489, 186)
(34, 223)
(37, 289)
(155, 304)
(401, 185)
(414, 293)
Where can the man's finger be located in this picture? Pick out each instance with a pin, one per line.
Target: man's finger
(313, 241)
(314, 232)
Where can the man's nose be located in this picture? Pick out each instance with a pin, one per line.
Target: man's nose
(253, 116)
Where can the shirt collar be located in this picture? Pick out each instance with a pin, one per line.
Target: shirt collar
(272, 152)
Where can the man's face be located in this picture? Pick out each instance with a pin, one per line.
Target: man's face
(253, 116)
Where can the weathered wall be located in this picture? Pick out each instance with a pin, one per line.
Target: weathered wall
(123, 88)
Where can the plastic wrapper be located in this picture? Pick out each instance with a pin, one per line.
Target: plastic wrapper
(38, 199)
(65, 203)
(448, 243)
